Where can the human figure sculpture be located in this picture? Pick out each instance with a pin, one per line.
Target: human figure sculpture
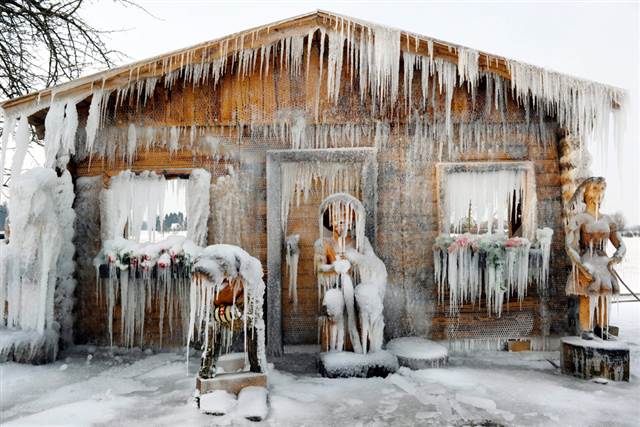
(344, 257)
(588, 232)
(226, 300)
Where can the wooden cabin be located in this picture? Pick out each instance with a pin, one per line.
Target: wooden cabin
(284, 114)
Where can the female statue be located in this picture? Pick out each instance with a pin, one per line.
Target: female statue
(342, 259)
(588, 232)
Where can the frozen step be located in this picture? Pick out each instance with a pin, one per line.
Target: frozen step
(218, 402)
(231, 383)
(252, 403)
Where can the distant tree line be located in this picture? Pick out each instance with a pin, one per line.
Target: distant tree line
(169, 219)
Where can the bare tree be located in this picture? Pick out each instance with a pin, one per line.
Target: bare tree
(45, 42)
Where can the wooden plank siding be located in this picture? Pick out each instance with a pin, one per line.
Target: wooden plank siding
(407, 197)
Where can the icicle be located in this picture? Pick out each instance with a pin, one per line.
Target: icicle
(131, 143)
(384, 65)
(22, 139)
(446, 72)
(198, 209)
(292, 256)
(582, 107)
(7, 130)
(334, 64)
(468, 68)
(94, 118)
(487, 193)
(543, 236)
(54, 125)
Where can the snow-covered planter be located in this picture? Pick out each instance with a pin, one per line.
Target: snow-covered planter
(471, 264)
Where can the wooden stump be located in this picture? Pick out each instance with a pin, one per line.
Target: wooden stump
(594, 358)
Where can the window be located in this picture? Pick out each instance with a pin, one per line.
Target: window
(487, 197)
(174, 213)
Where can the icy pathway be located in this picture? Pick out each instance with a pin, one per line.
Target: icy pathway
(143, 389)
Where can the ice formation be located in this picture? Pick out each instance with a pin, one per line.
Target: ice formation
(371, 319)
(482, 196)
(141, 274)
(129, 201)
(583, 108)
(228, 199)
(218, 402)
(370, 293)
(219, 263)
(333, 306)
(198, 192)
(372, 56)
(39, 255)
(61, 124)
(22, 139)
(338, 364)
(301, 178)
(357, 262)
(292, 256)
(543, 238)
(416, 352)
(504, 265)
(133, 200)
(347, 211)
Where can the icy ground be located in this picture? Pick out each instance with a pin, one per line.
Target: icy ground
(92, 386)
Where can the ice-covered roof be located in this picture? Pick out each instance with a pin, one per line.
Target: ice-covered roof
(372, 51)
(163, 64)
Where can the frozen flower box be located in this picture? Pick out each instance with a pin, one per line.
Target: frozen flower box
(470, 265)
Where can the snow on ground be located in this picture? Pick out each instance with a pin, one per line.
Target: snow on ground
(137, 388)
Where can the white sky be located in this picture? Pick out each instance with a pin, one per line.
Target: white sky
(594, 40)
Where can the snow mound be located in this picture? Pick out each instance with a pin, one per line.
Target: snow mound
(334, 303)
(218, 402)
(341, 266)
(344, 364)
(252, 403)
(418, 353)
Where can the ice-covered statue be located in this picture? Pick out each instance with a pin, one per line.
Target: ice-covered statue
(226, 297)
(344, 256)
(588, 233)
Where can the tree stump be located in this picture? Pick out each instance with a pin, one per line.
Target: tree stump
(594, 358)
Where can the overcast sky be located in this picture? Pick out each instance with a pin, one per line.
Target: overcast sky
(593, 40)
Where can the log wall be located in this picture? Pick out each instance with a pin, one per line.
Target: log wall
(407, 216)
